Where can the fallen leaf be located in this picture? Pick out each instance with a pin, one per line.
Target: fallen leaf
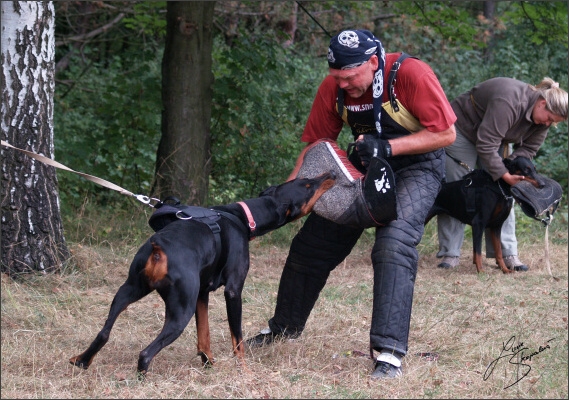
(121, 376)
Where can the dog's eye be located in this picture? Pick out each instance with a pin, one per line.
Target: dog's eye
(308, 185)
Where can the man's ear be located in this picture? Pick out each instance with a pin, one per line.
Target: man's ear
(374, 62)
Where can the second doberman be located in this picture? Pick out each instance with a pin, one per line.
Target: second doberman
(481, 202)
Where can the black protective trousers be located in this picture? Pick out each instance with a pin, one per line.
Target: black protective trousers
(321, 245)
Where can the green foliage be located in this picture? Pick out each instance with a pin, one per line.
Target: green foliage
(149, 17)
(108, 125)
(262, 96)
(451, 23)
(551, 159)
(540, 22)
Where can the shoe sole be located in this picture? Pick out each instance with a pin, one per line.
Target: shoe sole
(445, 266)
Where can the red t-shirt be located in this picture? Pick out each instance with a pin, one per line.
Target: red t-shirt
(417, 88)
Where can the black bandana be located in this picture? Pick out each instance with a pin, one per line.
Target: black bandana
(350, 49)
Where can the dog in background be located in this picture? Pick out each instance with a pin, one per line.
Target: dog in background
(184, 261)
(479, 201)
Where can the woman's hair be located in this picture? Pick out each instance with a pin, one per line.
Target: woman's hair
(555, 97)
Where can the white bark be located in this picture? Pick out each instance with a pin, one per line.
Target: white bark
(32, 233)
(20, 18)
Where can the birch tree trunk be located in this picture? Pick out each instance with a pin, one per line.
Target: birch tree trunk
(183, 157)
(32, 231)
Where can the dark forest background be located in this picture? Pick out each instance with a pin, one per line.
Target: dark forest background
(268, 60)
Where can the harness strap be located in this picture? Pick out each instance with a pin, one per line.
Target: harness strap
(340, 103)
(393, 78)
(208, 217)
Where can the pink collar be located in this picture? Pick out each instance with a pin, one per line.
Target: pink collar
(252, 224)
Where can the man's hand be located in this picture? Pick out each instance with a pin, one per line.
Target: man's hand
(369, 146)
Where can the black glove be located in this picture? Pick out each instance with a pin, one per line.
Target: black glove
(372, 146)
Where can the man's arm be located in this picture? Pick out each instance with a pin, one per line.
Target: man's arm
(422, 141)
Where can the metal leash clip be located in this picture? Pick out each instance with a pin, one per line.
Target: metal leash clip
(547, 220)
(150, 201)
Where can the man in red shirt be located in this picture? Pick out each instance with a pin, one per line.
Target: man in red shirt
(407, 126)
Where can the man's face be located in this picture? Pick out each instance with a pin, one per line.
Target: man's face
(355, 81)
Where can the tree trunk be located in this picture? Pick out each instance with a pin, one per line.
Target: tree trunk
(32, 232)
(489, 9)
(183, 157)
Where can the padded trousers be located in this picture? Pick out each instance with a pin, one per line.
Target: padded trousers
(321, 245)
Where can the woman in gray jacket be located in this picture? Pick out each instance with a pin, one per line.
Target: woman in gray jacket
(493, 116)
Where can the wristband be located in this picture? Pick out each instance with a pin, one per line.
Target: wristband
(387, 149)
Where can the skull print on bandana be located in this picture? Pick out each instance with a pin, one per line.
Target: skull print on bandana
(349, 38)
(352, 48)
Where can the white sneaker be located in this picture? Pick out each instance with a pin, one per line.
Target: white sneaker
(514, 263)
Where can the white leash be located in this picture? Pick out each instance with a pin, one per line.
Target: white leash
(143, 199)
(547, 263)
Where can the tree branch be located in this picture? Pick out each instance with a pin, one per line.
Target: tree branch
(89, 35)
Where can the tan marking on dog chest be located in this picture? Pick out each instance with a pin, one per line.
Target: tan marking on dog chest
(156, 267)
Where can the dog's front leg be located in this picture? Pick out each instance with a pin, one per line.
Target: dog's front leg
(202, 325)
(234, 305)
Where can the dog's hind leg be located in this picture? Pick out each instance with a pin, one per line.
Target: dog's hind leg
(477, 233)
(128, 293)
(180, 307)
(202, 325)
(495, 235)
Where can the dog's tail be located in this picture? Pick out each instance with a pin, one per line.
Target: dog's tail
(156, 267)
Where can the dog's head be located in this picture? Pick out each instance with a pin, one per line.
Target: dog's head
(537, 195)
(296, 197)
(523, 166)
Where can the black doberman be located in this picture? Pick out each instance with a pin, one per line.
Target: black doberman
(481, 202)
(182, 263)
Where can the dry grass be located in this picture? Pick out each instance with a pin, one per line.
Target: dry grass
(462, 317)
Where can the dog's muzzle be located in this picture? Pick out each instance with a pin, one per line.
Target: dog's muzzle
(538, 203)
(355, 199)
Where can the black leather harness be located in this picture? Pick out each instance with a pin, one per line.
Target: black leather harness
(167, 213)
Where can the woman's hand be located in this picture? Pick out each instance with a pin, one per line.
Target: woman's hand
(512, 179)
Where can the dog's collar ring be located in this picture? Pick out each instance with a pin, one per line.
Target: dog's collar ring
(180, 214)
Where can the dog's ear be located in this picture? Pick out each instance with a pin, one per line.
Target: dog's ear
(270, 191)
(285, 213)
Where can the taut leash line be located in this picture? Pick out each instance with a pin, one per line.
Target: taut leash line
(143, 199)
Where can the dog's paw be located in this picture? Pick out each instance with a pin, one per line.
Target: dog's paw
(78, 362)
